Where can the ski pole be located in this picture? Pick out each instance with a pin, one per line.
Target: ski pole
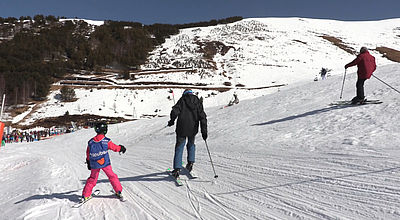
(344, 78)
(215, 174)
(386, 84)
(2, 106)
(173, 96)
(166, 126)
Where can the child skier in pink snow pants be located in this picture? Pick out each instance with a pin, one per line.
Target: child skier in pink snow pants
(97, 158)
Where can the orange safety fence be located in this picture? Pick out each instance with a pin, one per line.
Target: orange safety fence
(1, 132)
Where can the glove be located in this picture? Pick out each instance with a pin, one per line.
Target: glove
(88, 164)
(170, 123)
(123, 149)
(204, 136)
(346, 66)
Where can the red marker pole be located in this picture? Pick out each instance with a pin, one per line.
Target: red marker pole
(1, 123)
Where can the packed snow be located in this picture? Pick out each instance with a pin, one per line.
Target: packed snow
(286, 155)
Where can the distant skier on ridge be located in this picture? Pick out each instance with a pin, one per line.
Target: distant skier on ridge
(190, 113)
(97, 158)
(366, 66)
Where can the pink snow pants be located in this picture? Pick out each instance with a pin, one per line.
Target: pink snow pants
(94, 175)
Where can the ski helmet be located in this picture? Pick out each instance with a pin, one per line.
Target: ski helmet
(187, 91)
(100, 127)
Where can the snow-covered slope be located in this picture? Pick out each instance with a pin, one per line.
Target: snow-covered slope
(287, 155)
(242, 56)
(265, 51)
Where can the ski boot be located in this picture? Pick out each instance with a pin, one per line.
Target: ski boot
(363, 101)
(358, 100)
(175, 173)
(84, 199)
(189, 166)
(120, 196)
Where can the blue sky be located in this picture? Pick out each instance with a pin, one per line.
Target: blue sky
(185, 11)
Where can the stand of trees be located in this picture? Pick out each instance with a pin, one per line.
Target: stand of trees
(35, 52)
(67, 94)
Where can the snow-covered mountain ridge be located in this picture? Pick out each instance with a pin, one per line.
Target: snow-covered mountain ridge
(276, 50)
(252, 57)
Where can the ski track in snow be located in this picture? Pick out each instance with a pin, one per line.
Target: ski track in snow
(194, 201)
(287, 155)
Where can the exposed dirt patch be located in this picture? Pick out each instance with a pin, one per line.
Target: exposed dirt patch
(389, 53)
(166, 71)
(227, 84)
(211, 48)
(18, 110)
(299, 41)
(339, 43)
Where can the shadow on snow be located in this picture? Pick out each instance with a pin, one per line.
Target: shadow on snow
(73, 197)
(314, 112)
(153, 177)
(70, 195)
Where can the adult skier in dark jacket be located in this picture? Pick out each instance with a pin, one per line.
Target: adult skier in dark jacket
(190, 113)
(366, 66)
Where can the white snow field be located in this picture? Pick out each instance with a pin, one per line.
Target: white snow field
(287, 155)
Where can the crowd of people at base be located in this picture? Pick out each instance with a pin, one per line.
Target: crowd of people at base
(17, 136)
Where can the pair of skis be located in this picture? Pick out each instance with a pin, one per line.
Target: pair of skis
(94, 194)
(178, 180)
(349, 103)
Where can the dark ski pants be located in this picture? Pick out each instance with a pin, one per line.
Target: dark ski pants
(360, 88)
(179, 147)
